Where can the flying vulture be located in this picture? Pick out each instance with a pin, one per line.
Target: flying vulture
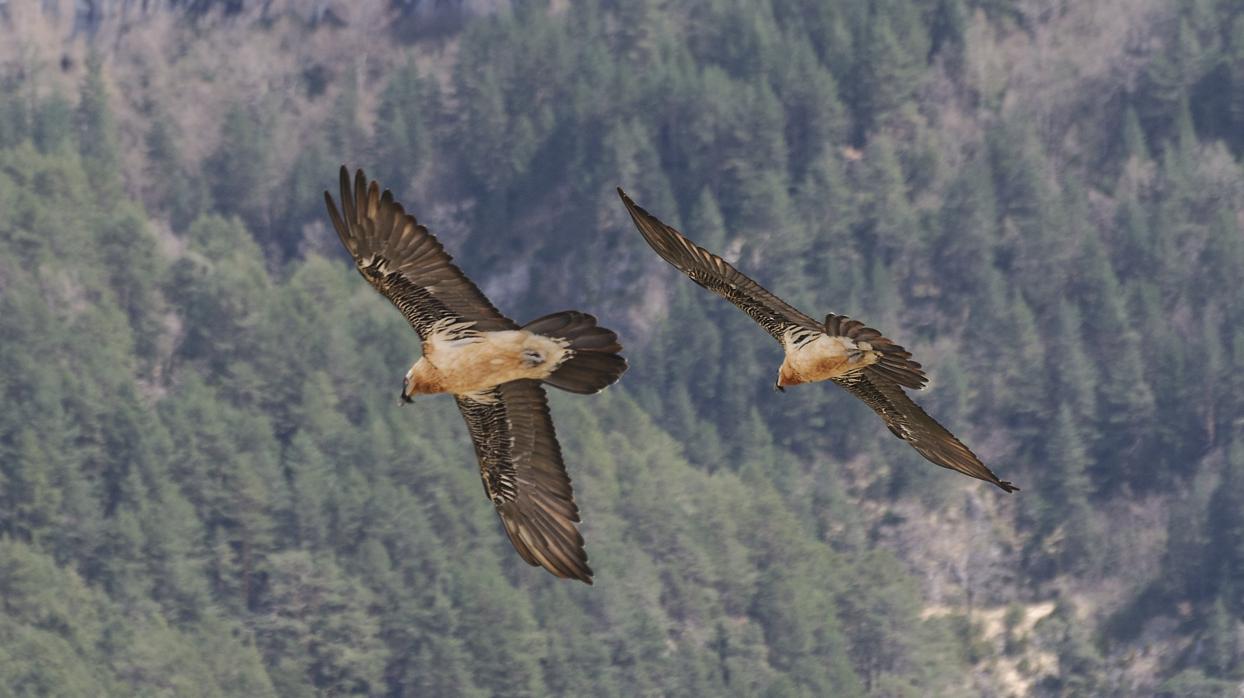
(858, 358)
(493, 368)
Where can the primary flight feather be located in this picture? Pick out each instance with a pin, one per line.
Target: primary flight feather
(841, 350)
(492, 367)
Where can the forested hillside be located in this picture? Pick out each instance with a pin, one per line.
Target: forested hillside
(208, 486)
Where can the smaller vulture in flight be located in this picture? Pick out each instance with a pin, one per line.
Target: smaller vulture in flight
(492, 367)
(858, 358)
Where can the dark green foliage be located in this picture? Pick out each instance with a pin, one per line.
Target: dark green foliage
(97, 136)
(53, 125)
(1067, 494)
(887, 67)
(408, 109)
(177, 189)
(14, 113)
(236, 171)
(1225, 552)
(207, 487)
(1222, 650)
(1193, 683)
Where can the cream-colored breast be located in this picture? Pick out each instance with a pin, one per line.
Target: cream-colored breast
(488, 359)
(827, 357)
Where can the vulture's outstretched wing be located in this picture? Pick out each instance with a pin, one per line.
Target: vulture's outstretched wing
(909, 422)
(521, 465)
(716, 274)
(405, 262)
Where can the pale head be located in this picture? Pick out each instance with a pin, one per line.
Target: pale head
(421, 379)
(787, 377)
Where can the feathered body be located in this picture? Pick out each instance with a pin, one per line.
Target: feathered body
(467, 363)
(822, 358)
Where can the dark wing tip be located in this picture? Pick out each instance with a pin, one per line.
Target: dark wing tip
(630, 204)
(1007, 486)
(639, 214)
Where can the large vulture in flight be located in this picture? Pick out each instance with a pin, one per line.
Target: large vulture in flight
(492, 367)
(858, 358)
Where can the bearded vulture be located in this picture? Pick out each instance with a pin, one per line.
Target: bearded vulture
(493, 367)
(858, 358)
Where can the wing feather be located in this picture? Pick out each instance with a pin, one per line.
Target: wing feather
(405, 262)
(717, 275)
(524, 476)
(909, 422)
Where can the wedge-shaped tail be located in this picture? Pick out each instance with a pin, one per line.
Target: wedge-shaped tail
(593, 363)
(895, 362)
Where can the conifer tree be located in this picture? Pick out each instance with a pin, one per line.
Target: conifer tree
(1225, 552)
(967, 228)
(182, 194)
(885, 74)
(14, 114)
(1168, 79)
(1221, 643)
(888, 222)
(408, 111)
(54, 124)
(1132, 136)
(237, 171)
(1069, 463)
(97, 136)
(816, 120)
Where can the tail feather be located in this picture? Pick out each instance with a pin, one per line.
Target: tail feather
(593, 363)
(895, 362)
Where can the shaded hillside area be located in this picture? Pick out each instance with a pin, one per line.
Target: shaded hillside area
(208, 487)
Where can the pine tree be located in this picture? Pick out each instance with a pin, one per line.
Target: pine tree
(705, 222)
(54, 124)
(884, 77)
(97, 132)
(816, 120)
(1132, 137)
(1225, 552)
(181, 194)
(948, 33)
(1069, 490)
(313, 619)
(498, 631)
(407, 113)
(303, 198)
(1234, 60)
(1169, 78)
(31, 500)
(1221, 645)
(495, 149)
(14, 113)
(1137, 252)
(1072, 375)
(1125, 400)
(312, 489)
(967, 229)
(888, 222)
(237, 171)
